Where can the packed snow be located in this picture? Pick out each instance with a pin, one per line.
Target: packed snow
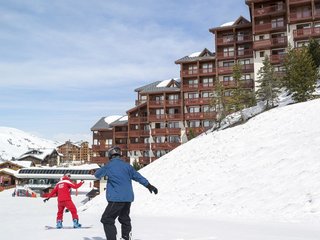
(256, 181)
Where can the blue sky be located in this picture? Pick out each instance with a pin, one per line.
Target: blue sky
(66, 63)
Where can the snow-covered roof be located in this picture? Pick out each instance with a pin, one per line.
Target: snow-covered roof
(9, 171)
(195, 54)
(39, 154)
(227, 24)
(111, 119)
(164, 83)
(22, 163)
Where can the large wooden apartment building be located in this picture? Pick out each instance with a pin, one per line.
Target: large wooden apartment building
(168, 113)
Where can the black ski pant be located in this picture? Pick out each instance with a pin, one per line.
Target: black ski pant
(120, 210)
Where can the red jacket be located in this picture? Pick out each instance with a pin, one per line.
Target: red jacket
(63, 190)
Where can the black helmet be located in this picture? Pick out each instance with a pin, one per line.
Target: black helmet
(114, 151)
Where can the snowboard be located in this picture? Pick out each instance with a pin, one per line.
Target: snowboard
(66, 227)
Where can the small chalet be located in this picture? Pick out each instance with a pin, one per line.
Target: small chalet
(41, 157)
(8, 171)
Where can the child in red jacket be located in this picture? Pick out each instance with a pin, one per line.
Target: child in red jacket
(62, 189)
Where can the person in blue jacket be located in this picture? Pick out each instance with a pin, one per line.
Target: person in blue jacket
(119, 193)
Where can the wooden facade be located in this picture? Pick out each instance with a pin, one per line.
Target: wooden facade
(165, 116)
(75, 152)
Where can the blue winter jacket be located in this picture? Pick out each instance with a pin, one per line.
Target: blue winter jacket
(119, 183)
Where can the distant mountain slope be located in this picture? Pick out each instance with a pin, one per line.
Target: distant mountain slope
(267, 168)
(14, 142)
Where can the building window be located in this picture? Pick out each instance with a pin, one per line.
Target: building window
(207, 82)
(174, 139)
(193, 95)
(245, 77)
(192, 69)
(207, 123)
(207, 109)
(206, 94)
(207, 67)
(261, 54)
(228, 52)
(193, 124)
(277, 23)
(193, 83)
(160, 125)
(194, 109)
(173, 124)
(227, 78)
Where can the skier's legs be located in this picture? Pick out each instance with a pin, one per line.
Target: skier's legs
(72, 208)
(124, 219)
(61, 207)
(111, 212)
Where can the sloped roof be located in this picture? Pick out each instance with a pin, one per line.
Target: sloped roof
(121, 121)
(241, 21)
(106, 123)
(161, 86)
(40, 154)
(205, 54)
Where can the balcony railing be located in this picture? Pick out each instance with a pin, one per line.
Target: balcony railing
(306, 33)
(138, 146)
(121, 134)
(164, 117)
(269, 10)
(245, 53)
(267, 27)
(137, 133)
(195, 72)
(224, 55)
(277, 58)
(137, 119)
(156, 103)
(100, 148)
(300, 16)
(226, 40)
(196, 101)
(225, 70)
(242, 83)
(299, 1)
(166, 131)
(244, 68)
(200, 115)
(99, 160)
(164, 146)
(173, 102)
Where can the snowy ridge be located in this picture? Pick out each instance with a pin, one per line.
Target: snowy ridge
(15, 142)
(266, 169)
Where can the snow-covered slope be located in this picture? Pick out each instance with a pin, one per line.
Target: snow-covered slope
(267, 168)
(14, 142)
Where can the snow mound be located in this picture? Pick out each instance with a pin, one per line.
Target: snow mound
(266, 169)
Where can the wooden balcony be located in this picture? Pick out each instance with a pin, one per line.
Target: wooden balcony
(242, 83)
(138, 133)
(268, 27)
(164, 117)
(306, 33)
(189, 73)
(245, 53)
(292, 2)
(100, 148)
(262, 44)
(270, 43)
(267, 11)
(166, 131)
(137, 119)
(173, 102)
(196, 87)
(276, 59)
(138, 146)
(196, 72)
(99, 160)
(244, 38)
(296, 17)
(247, 68)
(225, 70)
(226, 55)
(226, 40)
(120, 134)
(156, 103)
(200, 115)
(197, 101)
(164, 146)
(146, 160)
